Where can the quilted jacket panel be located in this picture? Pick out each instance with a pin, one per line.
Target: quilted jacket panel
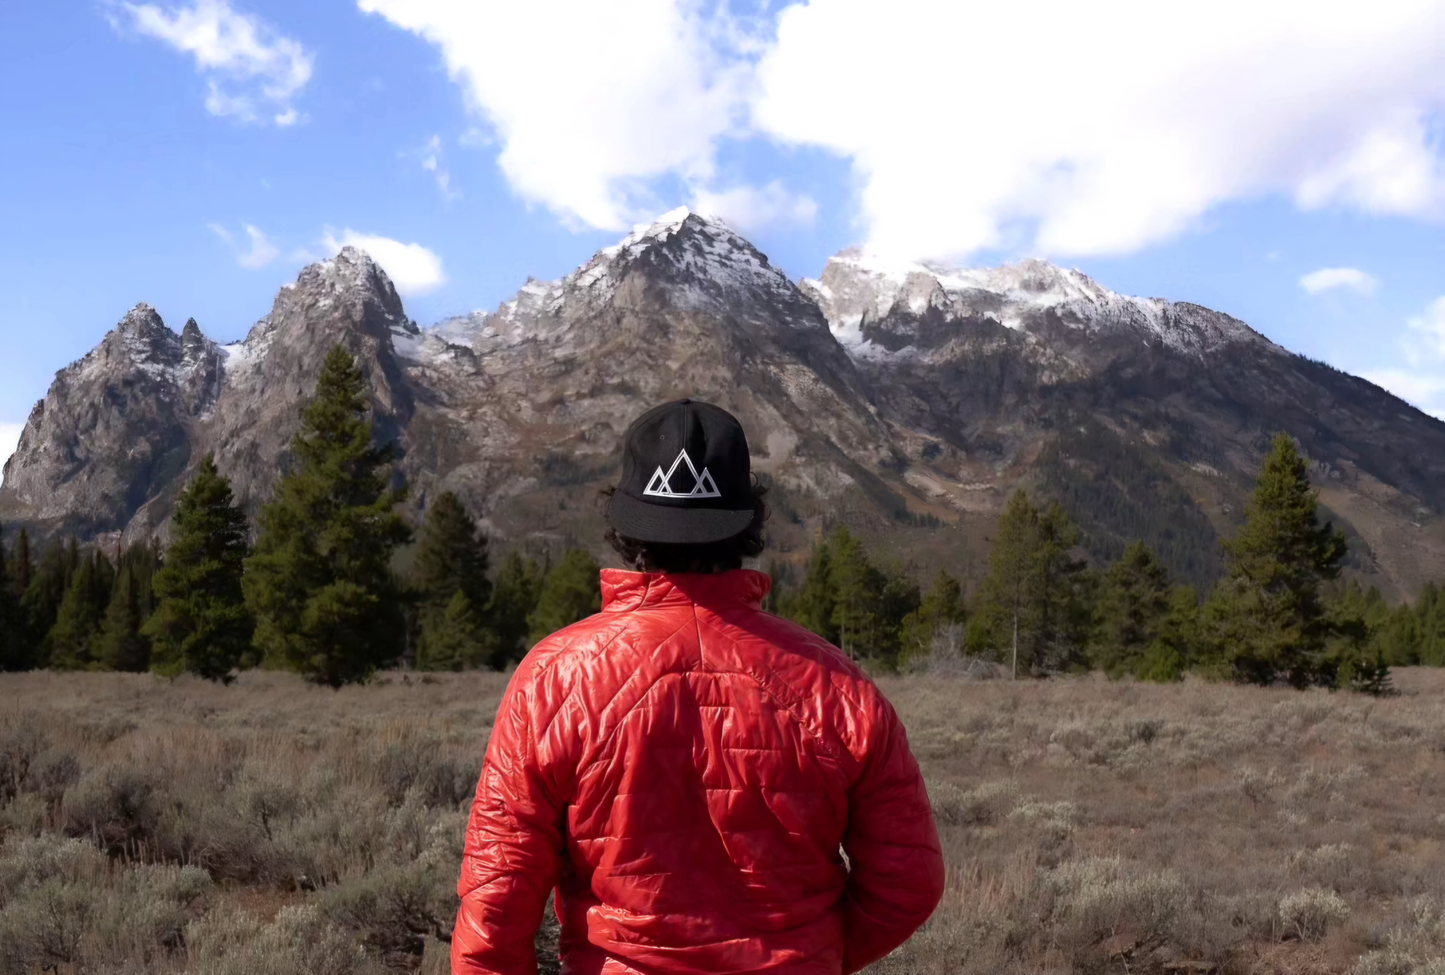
(687, 771)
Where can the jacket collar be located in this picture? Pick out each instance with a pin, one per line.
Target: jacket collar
(623, 591)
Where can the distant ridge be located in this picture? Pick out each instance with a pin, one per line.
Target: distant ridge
(893, 396)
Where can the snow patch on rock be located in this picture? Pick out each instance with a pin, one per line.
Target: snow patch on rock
(859, 287)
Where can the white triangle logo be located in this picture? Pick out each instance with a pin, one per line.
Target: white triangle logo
(660, 486)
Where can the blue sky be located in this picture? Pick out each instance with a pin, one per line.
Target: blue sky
(1283, 162)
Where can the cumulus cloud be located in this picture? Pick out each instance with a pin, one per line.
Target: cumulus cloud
(1428, 342)
(1422, 381)
(412, 268)
(259, 251)
(750, 208)
(1423, 390)
(1099, 128)
(1058, 127)
(9, 440)
(251, 71)
(589, 101)
(431, 161)
(1331, 278)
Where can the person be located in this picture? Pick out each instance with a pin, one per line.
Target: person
(708, 788)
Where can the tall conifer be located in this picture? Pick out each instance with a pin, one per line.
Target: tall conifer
(514, 599)
(856, 586)
(1267, 618)
(571, 591)
(120, 645)
(451, 560)
(816, 600)
(1031, 608)
(40, 600)
(454, 638)
(320, 582)
(1008, 607)
(941, 607)
(72, 640)
(1133, 605)
(21, 564)
(9, 616)
(201, 623)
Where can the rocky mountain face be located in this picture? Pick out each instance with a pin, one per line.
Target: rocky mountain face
(908, 399)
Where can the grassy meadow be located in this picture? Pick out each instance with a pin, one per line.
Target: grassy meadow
(273, 826)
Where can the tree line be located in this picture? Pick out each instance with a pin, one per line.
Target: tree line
(317, 592)
(1278, 614)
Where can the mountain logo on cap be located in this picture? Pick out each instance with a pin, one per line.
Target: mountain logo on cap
(661, 484)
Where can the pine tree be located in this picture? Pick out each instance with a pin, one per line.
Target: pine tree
(451, 559)
(1032, 609)
(144, 561)
(455, 638)
(1266, 618)
(9, 615)
(40, 600)
(201, 623)
(20, 565)
(1429, 621)
(857, 589)
(1064, 598)
(1134, 602)
(940, 608)
(72, 640)
(320, 583)
(514, 599)
(816, 600)
(15, 639)
(782, 594)
(1007, 615)
(1174, 648)
(120, 645)
(571, 591)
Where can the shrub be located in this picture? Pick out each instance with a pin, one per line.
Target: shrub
(1096, 898)
(66, 904)
(1309, 913)
(394, 910)
(299, 941)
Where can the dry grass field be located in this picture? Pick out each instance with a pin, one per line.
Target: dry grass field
(272, 827)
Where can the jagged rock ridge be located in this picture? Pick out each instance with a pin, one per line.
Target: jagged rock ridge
(880, 393)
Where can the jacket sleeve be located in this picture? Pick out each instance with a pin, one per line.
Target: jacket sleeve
(895, 863)
(514, 847)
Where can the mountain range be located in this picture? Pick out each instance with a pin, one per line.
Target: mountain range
(906, 399)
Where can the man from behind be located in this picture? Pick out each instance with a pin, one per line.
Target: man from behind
(708, 788)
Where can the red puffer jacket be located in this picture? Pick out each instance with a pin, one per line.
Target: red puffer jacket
(684, 768)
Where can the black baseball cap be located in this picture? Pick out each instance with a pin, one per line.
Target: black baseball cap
(686, 476)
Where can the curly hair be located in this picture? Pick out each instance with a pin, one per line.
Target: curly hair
(705, 558)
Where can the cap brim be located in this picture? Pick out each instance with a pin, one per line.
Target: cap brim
(675, 525)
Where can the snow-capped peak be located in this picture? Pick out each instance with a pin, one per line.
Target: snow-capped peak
(704, 262)
(860, 286)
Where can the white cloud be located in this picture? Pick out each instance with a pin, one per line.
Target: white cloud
(431, 157)
(1330, 278)
(589, 101)
(9, 440)
(1096, 128)
(251, 71)
(750, 208)
(1425, 391)
(261, 249)
(1430, 345)
(412, 268)
(1423, 382)
(1056, 127)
